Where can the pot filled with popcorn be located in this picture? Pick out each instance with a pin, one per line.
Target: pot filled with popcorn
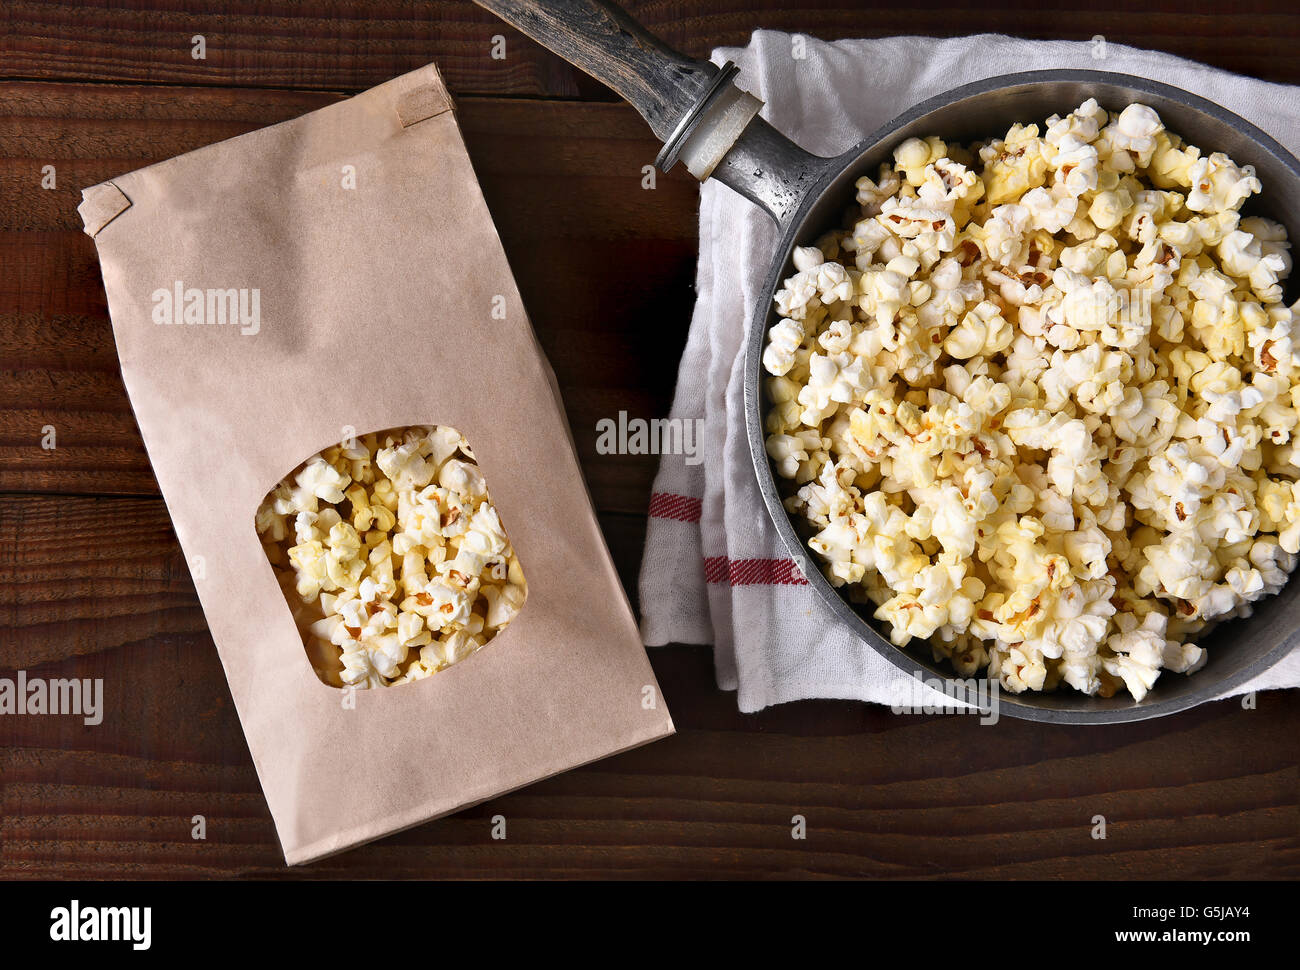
(1021, 387)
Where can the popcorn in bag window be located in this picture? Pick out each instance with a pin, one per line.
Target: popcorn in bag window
(391, 556)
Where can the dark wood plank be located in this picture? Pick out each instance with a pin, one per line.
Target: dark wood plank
(79, 575)
(613, 331)
(348, 45)
(97, 588)
(342, 45)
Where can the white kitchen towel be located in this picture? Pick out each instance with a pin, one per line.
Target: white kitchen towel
(714, 569)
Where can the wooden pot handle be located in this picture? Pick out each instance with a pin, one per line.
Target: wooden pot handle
(601, 39)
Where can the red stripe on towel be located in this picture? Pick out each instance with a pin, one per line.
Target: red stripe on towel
(752, 572)
(720, 569)
(683, 508)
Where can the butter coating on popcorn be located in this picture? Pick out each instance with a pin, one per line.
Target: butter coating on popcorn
(391, 556)
(1035, 403)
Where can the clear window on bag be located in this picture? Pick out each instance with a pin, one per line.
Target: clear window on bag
(392, 558)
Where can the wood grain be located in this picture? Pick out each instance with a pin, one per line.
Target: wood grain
(883, 795)
(348, 45)
(92, 583)
(94, 587)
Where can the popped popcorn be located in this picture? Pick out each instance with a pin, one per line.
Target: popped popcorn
(1036, 404)
(392, 557)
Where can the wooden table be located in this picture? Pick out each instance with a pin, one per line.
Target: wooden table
(94, 584)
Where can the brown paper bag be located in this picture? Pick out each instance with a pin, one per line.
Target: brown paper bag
(360, 285)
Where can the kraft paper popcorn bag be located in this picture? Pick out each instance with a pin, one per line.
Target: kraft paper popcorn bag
(356, 434)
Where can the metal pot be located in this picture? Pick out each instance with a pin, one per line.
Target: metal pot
(693, 107)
